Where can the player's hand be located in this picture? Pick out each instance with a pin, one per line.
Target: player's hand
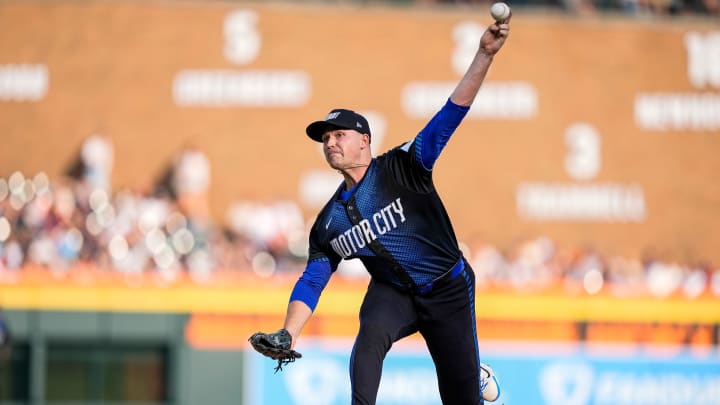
(277, 346)
(494, 36)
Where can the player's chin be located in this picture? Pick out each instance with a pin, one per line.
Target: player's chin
(335, 161)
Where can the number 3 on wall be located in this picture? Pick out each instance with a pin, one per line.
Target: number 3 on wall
(582, 161)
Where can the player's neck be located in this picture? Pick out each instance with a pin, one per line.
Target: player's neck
(353, 174)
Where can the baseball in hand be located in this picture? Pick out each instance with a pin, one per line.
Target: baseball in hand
(500, 11)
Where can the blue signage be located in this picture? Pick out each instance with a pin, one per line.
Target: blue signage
(529, 373)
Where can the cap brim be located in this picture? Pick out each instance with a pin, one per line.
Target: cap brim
(316, 130)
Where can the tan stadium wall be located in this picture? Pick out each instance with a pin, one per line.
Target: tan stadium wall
(634, 104)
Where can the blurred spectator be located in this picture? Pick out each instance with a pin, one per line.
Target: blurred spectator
(97, 158)
(277, 228)
(191, 182)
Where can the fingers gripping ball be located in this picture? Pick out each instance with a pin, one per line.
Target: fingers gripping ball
(500, 11)
(275, 346)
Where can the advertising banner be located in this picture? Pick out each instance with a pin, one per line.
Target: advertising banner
(530, 373)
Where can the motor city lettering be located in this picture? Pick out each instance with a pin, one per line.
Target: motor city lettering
(358, 236)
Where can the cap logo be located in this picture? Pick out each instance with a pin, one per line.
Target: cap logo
(332, 115)
(357, 124)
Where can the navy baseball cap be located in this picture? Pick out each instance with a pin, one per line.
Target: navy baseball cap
(338, 118)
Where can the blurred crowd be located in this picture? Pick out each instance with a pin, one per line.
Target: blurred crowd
(166, 230)
(540, 264)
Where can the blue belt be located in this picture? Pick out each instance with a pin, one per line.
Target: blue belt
(443, 278)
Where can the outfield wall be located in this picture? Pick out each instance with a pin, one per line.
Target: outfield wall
(87, 357)
(590, 131)
(91, 336)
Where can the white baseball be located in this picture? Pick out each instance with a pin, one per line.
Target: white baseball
(500, 11)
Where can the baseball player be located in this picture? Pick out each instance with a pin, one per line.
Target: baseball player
(388, 214)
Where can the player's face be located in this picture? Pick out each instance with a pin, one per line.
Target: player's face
(343, 147)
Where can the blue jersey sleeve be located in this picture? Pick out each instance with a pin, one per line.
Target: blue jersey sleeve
(436, 134)
(312, 282)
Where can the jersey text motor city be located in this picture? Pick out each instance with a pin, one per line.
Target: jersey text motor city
(355, 238)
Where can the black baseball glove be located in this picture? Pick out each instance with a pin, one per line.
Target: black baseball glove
(276, 346)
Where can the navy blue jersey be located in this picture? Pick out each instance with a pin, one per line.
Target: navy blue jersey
(398, 206)
(395, 204)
